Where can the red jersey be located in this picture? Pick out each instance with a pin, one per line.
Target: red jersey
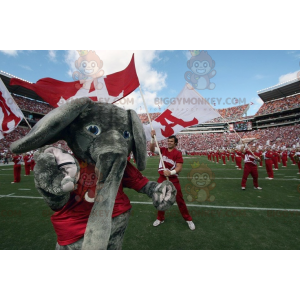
(170, 159)
(17, 159)
(70, 222)
(249, 158)
(238, 153)
(269, 155)
(27, 159)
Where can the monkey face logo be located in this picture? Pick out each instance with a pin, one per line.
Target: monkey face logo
(201, 178)
(202, 70)
(201, 67)
(88, 68)
(88, 180)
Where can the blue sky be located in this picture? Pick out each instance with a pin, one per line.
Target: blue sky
(239, 74)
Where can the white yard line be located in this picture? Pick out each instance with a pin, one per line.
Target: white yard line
(240, 178)
(29, 197)
(227, 207)
(189, 205)
(2, 196)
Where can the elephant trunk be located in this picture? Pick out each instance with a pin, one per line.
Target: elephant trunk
(110, 166)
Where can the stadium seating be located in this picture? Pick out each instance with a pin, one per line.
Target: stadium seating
(198, 141)
(279, 105)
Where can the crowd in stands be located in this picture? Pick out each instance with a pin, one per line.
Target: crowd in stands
(31, 105)
(287, 135)
(281, 136)
(279, 105)
(144, 117)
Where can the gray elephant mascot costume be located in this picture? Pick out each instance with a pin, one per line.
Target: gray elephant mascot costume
(86, 191)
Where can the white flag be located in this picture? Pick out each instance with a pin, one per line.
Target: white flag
(187, 109)
(10, 113)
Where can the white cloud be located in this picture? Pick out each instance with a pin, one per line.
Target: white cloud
(150, 79)
(289, 76)
(10, 52)
(259, 76)
(25, 67)
(52, 55)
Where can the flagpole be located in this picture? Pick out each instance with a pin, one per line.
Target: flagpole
(22, 113)
(15, 103)
(153, 129)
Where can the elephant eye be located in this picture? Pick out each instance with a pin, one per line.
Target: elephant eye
(94, 129)
(126, 134)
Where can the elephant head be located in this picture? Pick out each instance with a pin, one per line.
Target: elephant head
(101, 134)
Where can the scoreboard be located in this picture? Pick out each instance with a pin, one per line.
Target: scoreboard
(241, 126)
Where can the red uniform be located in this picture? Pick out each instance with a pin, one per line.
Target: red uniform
(238, 159)
(250, 167)
(227, 154)
(170, 160)
(70, 222)
(275, 159)
(223, 155)
(32, 163)
(298, 154)
(269, 162)
(27, 161)
(284, 156)
(292, 153)
(17, 167)
(232, 156)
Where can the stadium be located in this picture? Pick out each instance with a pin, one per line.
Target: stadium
(231, 219)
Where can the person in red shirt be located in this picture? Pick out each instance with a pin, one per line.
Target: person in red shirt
(232, 155)
(173, 165)
(27, 162)
(275, 159)
(238, 159)
(297, 159)
(227, 154)
(292, 154)
(284, 156)
(223, 155)
(258, 153)
(17, 159)
(70, 222)
(32, 163)
(268, 155)
(217, 155)
(250, 167)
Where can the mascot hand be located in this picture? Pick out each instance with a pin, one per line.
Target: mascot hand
(55, 183)
(163, 194)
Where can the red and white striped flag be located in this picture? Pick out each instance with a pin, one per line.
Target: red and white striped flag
(113, 87)
(187, 109)
(10, 113)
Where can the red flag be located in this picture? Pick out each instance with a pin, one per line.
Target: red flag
(114, 87)
(10, 113)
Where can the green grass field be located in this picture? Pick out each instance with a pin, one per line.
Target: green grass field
(236, 219)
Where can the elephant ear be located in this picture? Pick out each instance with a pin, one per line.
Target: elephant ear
(139, 147)
(50, 126)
